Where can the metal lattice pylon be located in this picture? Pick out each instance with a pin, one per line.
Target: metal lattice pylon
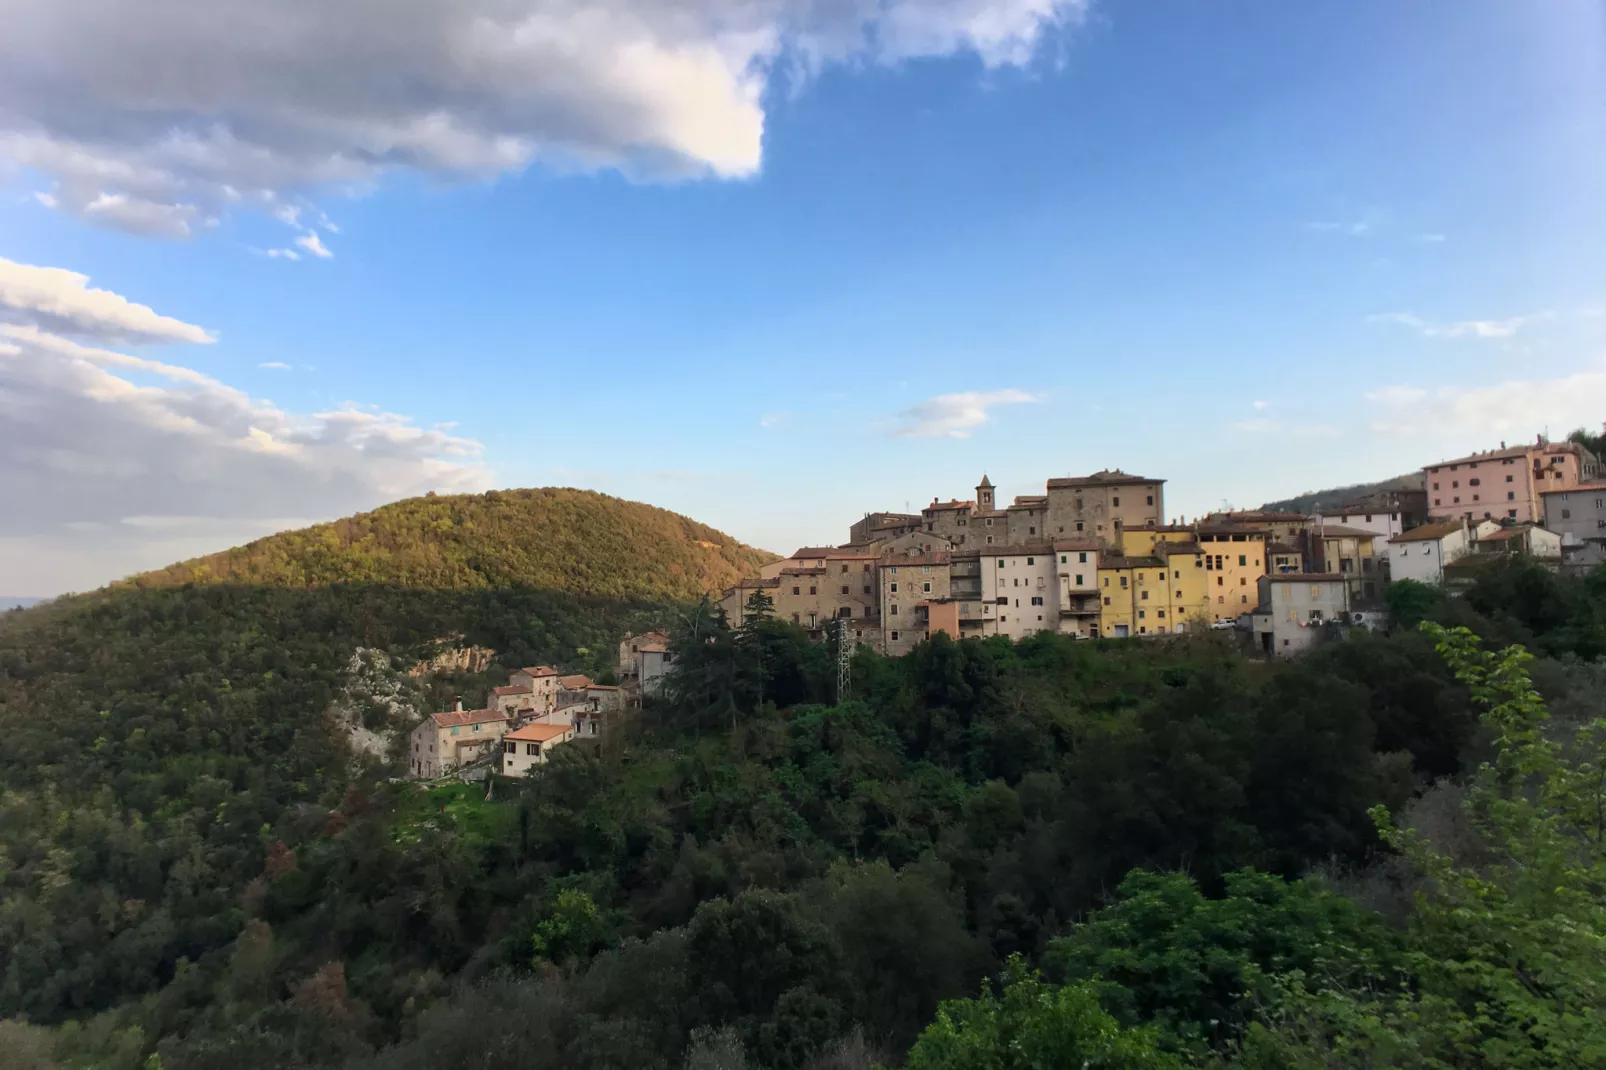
(844, 661)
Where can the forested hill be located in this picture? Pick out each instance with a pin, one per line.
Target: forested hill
(1311, 500)
(552, 538)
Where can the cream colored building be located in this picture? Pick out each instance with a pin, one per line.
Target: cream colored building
(451, 740)
(1099, 506)
(525, 749)
(542, 681)
(1351, 553)
(1023, 584)
(1506, 484)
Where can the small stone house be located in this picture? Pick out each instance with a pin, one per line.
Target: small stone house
(450, 740)
(525, 748)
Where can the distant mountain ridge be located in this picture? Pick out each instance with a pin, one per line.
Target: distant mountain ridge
(9, 602)
(551, 538)
(1311, 500)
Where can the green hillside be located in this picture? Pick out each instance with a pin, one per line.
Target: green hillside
(1311, 500)
(551, 538)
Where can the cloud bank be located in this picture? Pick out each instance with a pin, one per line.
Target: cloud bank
(157, 117)
(105, 442)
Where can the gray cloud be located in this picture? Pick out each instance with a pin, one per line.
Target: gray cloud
(158, 116)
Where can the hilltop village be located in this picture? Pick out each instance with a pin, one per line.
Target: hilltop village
(1097, 557)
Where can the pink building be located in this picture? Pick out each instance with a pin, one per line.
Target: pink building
(1506, 484)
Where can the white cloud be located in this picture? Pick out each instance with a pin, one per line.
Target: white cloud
(1495, 329)
(93, 436)
(1261, 404)
(274, 365)
(314, 245)
(1353, 228)
(282, 254)
(1510, 409)
(46, 199)
(63, 302)
(157, 116)
(956, 415)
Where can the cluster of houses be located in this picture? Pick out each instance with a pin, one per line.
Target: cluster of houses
(539, 708)
(1096, 557)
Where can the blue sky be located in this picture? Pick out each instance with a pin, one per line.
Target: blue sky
(1249, 246)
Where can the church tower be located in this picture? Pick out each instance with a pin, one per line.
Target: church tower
(984, 495)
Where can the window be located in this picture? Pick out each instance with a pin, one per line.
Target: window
(1106, 581)
(1160, 613)
(1511, 496)
(1179, 594)
(894, 609)
(1436, 486)
(1508, 479)
(1474, 482)
(844, 590)
(813, 589)
(1145, 596)
(1031, 560)
(1242, 582)
(989, 521)
(1566, 514)
(1220, 582)
(1512, 513)
(510, 748)
(1141, 614)
(1079, 579)
(1106, 601)
(926, 569)
(927, 586)
(1151, 499)
(1000, 562)
(1220, 600)
(1123, 581)
(894, 637)
(1081, 558)
(1031, 531)
(1315, 614)
(893, 587)
(1065, 559)
(1455, 483)
(1435, 502)
(844, 569)
(1037, 601)
(532, 748)
(1079, 526)
(454, 730)
(867, 589)
(797, 590)
(1115, 501)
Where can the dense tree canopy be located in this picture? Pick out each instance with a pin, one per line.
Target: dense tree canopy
(750, 872)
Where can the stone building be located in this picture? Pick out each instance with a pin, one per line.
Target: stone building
(1578, 515)
(909, 585)
(1100, 505)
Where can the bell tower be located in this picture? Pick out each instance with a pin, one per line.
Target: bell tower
(984, 495)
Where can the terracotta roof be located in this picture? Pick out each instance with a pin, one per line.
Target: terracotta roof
(540, 670)
(1163, 548)
(950, 504)
(828, 552)
(1513, 451)
(538, 732)
(1119, 562)
(603, 687)
(750, 583)
(804, 571)
(1225, 528)
(1283, 548)
(1263, 516)
(463, 717)
(576, 682)
(654, 647)
(511, 689)
(1077, 544)
(1514, 532)
(1106, 478)
(1429, 532)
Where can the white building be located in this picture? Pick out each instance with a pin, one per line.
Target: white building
(1383, 524)
(525, 748)
(1421, 553)
(644, 659)
(1023, 583)
(1296, 610)
(1077, 561)
(1578, 515)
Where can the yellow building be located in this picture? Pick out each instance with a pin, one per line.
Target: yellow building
(1234, 560)
(1164, 591)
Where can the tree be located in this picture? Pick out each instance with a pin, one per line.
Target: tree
(1505, 955)
(1031, 1025)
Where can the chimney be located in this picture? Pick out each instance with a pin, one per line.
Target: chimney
(459, 706)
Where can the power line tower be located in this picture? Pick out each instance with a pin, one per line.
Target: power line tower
(844, 662)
